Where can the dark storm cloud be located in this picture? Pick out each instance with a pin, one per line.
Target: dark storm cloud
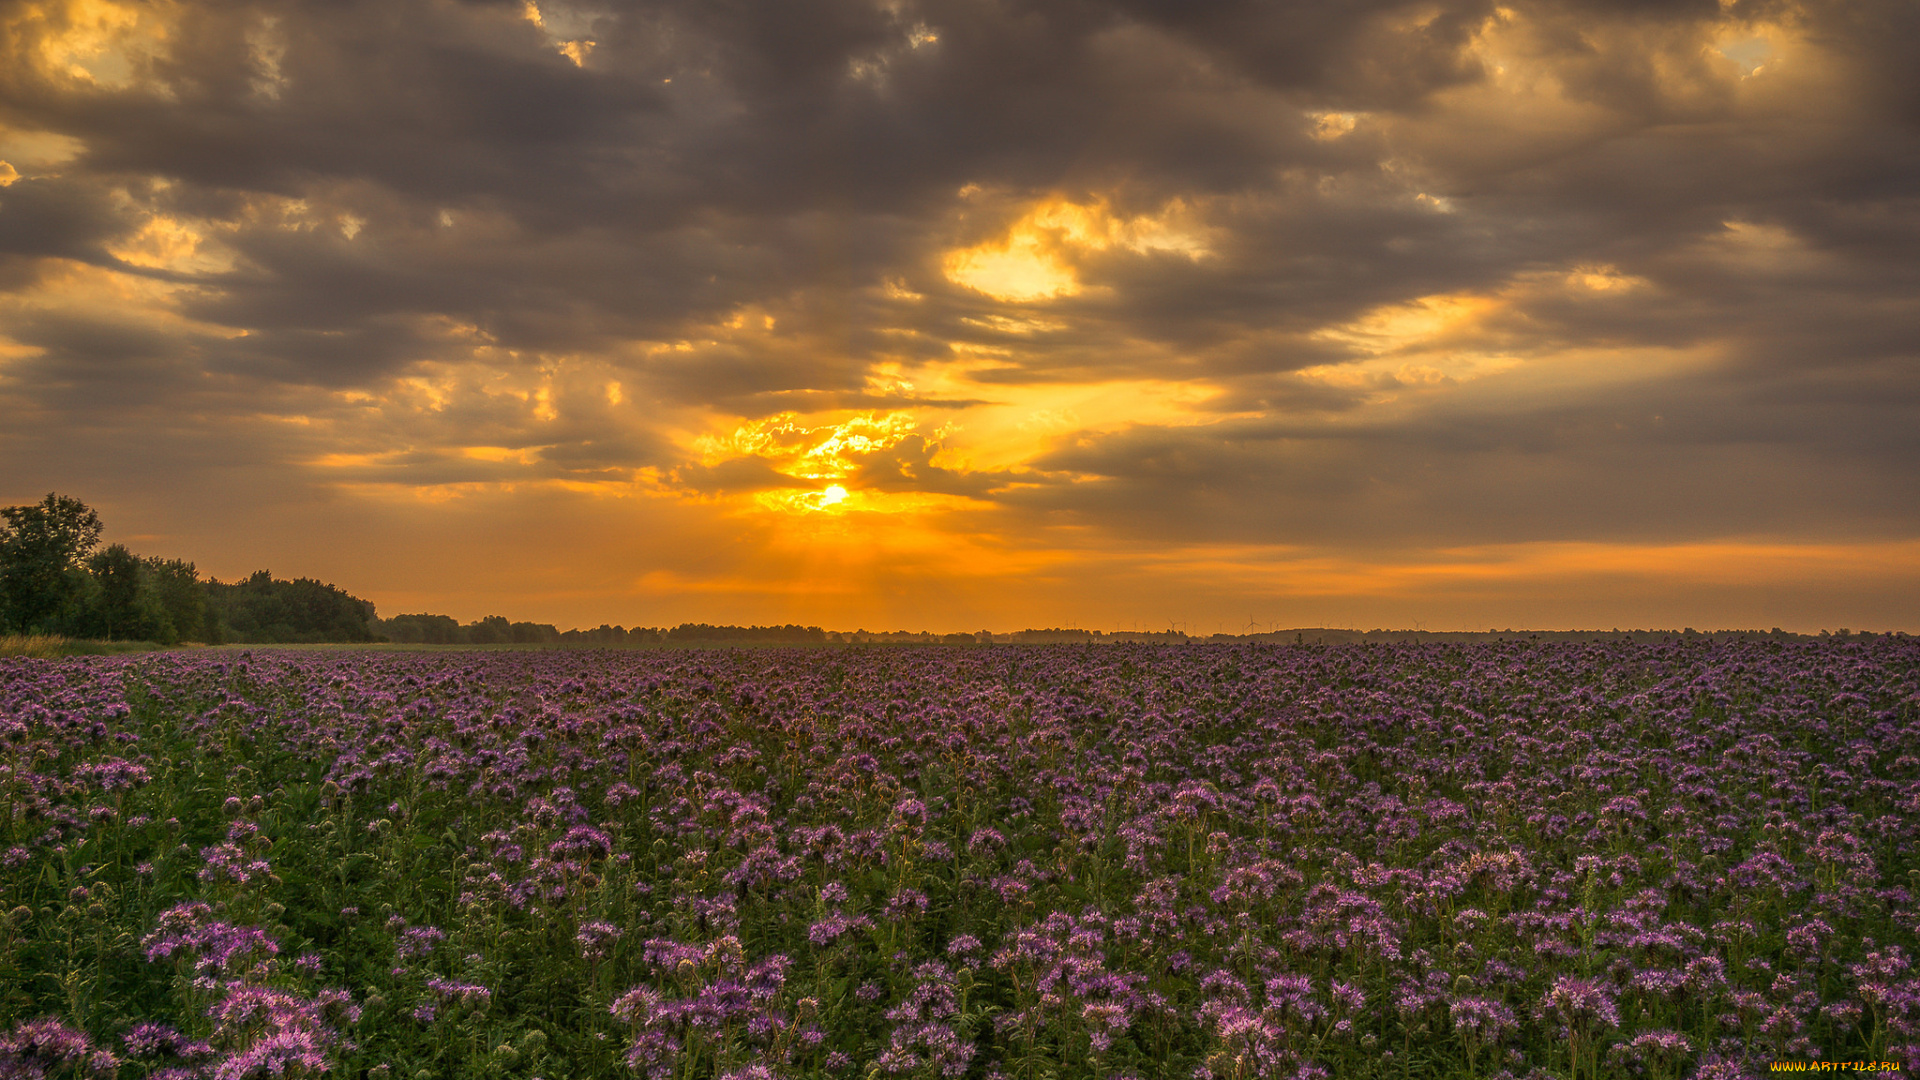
(430, 101)
(44, 218)
(96, 370)
(708, 206)
(1803, 457)
(1372, 54)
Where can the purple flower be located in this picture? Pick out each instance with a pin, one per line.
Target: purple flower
(833, 927)
(35, 1047)
(1579, 1006)
(291, 1051)
(147, 1039)
(114, 774)
(963, 948)
(187, 931)
(597, 939)
(985, 841)
(453, 992)
(1481, 1021)
(637, 1006)
(583, 844)
(419, 941)
(227, 862)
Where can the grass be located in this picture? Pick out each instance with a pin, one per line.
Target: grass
(52, 645)
(32, 645)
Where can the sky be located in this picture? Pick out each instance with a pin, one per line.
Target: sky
(981, 314)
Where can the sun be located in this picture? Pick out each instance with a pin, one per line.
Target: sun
(834, 494)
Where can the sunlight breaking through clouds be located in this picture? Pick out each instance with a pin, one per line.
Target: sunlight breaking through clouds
(1037, 258)
(829, 451)
(166, 243)
(95, 42)
(1332, 125)
(564, 26)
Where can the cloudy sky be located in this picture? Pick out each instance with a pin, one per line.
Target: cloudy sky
(964, 314)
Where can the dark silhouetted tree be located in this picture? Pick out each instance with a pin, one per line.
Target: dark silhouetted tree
(175, 584)
(492, 630)
(122, 605)
(423, 629)
(263, 610)
(533, 633)
(790, 633)
(41, 548)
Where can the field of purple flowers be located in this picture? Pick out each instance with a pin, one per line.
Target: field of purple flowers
(1219, 862)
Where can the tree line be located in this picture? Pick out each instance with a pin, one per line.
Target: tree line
(494, 630)
(56, 578)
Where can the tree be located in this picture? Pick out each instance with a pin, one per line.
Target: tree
(176, 585)
(41, 547)
(264, 610)
(532, 633)
(422, 630)
(492, 630)
(123, 601)
(117, 572)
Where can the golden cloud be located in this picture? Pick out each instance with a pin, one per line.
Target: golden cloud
(1038, 257)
